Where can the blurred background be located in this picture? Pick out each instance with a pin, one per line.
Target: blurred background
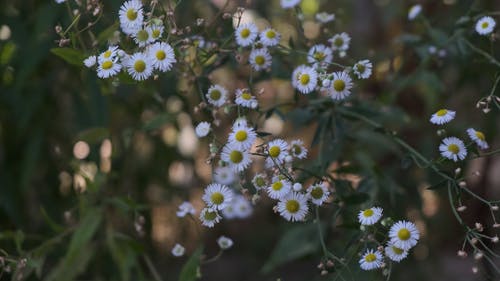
(112, 161)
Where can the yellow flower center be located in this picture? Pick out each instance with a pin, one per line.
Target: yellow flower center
(131, 14)
(338, 42)
(241, 135)
(160, 55)
(319, 56)
(292, 206)
(277, 186)
(260, 60)
(370, 257)
(155, 33)
(404, 234)
(397, 250)
(368, 213)
(270, 34)
(339, 85)
(480, 135)
(453, 148)
(217, 198)
(297, 149)
(107, 64)
(441, 112)
(140, 66)
(246, 96)
(259, 182)
(304, 79)
(215, 94)
(210, 216)
(245, 33)
(485, 24)
(361, 68)
(142, 35)
(317, 193)
(274, 151)
(236, 156)
(107, 54)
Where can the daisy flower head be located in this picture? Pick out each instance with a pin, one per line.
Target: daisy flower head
(319, 55)
(245, 99)
(453, 148)
(229, 212)
(394, 253)
(139, 66)
(110, 54)
(142, 37)
(278, 151)
(414, 11)
(242, 136)
(108, 67)
(485, 25)
(478, 137)
(224, 242)
(279, 188)
(178, 250)
(260, 59)
(202, 129)
(304, 79)
(324, 17)
(163, 56)
(131, 16)
(259, 181)
(238, 159)
(340, 42)
(224, 175)
(216, 95)
(246, 34)
(287, 4)
(242, 207)
(340, 86)
(209, 217)
(184, 209)
(217, 196)
(404, 235)
(269, 37)
(370, 216)
(363, 69)
(371, 260)
(318, 193)
(293, 207)
(297, 149)
(60, 1)
(155, 31)
(90, 61)
(442, 116)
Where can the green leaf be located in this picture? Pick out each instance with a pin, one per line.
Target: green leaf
(93, 135)
(86, 230)
(190, 270)
(300, 241)
(52, 224)
(71, 56)
(107, 33)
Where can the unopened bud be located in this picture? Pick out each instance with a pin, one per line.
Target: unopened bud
(462, 208)
(479, 227)
(462, 254)
(457, 171)
(475, 269)
(474, 241)
(462, 184)
(494, 239)
(321, 265)
(478, 255)
(330, 263)
(227, 16)
(324, 272)
(494, 207)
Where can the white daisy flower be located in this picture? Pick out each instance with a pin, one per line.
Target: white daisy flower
(414, 11)
(246, 34)
(229, 212)
(242, 137)
(453, 148)
(131, 16)
(237, 159)
(270, 37)
(60, 1)
(139, 66)
(304, 79)
(216, 95)
(394, 253)
(142, 37)
(90, 61)
(478, 137)
(110, 54)
(155, 31)
(442, 116)
(485, 25)
(340, 86)
(371, 259)
(363, 69)
(340, 42)
(293, 207)
(324, 17)
(278, 151)
(184, 209)
(108, 67)
(209, 217)
(279, 188)
(404, 235)
(217, 196)
(370, 216)
(224, 242)
(297, 149)
(224, 175)
(287, 4)
(163, 56)
(178, 250)
(242, 207)
(319, 55)
(202, 129)
(245, 99)
(259, 181)
(260, 59)
(318, 193)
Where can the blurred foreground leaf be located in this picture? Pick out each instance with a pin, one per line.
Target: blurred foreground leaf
(189, 271)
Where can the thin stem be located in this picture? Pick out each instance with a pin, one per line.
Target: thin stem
(481, 52)
(152, 268)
